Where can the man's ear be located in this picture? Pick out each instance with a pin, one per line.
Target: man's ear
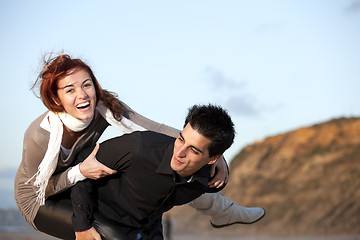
(214, 159)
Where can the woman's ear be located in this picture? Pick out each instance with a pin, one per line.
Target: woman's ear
(214, 159)
(57, 102)
(59, 107)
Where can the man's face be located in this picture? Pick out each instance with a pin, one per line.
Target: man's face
(190, 152)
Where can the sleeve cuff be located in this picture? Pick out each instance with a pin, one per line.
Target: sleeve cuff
(74, 174)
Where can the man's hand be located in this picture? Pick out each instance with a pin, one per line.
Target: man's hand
(93, 169)
(90, 234)
(222, 174)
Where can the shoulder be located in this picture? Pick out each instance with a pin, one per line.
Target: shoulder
(146, 142)
(137, 142)
(150, 137)
(128, 112)
(35, 133)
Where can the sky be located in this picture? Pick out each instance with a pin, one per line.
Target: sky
(274, 65)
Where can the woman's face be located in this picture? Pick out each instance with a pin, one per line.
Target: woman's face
(77, 94)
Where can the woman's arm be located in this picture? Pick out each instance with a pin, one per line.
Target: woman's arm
(34, 149)
(35, 144)
(222, 174)
(90, 168)
(150, 124)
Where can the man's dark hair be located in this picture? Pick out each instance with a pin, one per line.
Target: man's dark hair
(214, 123)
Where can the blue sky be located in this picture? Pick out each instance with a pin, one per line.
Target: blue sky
(275, 65)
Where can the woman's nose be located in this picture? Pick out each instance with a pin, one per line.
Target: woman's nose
(82, 94)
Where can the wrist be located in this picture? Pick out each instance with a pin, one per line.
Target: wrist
(75, 175)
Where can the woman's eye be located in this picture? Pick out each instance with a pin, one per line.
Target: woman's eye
(69, 90)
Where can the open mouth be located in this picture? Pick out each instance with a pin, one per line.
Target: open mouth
(83, 105)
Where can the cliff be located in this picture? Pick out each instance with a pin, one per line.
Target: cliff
(308, 180)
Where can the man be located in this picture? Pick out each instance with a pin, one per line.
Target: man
(155, 173)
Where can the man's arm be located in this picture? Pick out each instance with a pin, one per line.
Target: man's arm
(82, 208)
(114, 153)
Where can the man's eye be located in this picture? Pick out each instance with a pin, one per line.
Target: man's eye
(180, 139)
(195, 151)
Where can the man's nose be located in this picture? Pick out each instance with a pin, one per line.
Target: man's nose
(181, 153)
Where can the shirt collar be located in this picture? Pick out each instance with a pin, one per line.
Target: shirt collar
(164, 166)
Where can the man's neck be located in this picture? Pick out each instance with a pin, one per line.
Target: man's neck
(184, 175)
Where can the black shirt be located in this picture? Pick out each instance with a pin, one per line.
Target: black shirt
(144, 187)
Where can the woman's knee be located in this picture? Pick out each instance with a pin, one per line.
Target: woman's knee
(55, 219)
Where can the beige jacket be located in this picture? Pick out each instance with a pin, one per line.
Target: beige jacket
(35, 145)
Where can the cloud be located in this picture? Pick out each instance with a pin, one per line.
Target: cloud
(218, 80)
(235, 96)
(233, 93)
(243, 106)
(353, 7)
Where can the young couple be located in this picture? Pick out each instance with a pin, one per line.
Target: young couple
(52, 167)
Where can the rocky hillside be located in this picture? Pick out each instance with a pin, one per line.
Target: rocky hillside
(308, 180)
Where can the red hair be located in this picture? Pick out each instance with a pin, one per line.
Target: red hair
(57, 68)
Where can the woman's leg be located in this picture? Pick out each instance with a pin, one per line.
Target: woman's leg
(54, 218)
(109, 229)
(225, 212)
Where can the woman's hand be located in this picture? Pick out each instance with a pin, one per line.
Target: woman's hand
(222, 174)
(93, 169)
(90, 234)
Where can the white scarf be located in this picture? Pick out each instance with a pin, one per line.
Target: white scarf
(56, 121)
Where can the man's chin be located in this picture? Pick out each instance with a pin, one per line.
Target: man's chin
(175, 167)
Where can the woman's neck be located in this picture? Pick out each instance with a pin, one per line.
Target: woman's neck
(69, 137)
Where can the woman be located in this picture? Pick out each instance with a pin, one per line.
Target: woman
(79, 112)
